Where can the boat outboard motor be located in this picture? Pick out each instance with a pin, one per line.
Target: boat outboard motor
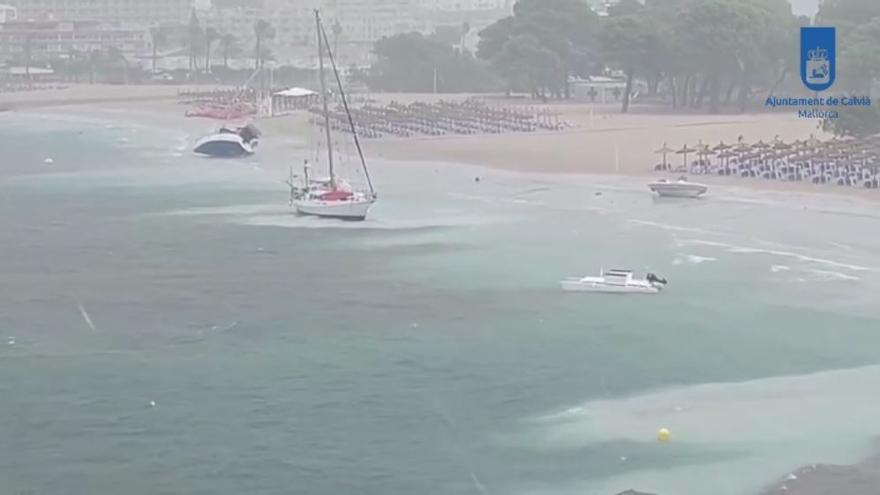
(654, 279)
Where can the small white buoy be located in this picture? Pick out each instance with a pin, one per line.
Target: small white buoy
(152, 403)
(48, 161)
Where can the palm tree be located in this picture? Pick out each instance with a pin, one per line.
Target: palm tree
(211, 35)
(228, 44)
(262, 30)
(337, 30)
(94, 58)
(73, 65)
(27, 57)
(158, 37)
(195, 37)
(114, 53)
(465, 30)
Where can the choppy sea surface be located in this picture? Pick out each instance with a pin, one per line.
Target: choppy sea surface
(168, 326)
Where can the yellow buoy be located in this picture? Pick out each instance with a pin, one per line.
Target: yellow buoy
(663, 435)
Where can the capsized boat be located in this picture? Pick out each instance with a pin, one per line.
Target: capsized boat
(333, 197)
(681, 188)
(229, 142)
(615, 281)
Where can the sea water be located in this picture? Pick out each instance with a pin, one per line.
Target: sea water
(168, 326)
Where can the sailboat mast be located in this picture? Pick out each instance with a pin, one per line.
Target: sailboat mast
(318, 30)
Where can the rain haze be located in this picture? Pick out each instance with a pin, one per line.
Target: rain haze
(440, 247)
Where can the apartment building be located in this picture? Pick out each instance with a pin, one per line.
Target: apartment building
(48, 40)
(130, 11)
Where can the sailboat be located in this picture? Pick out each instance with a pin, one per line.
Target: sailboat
(332, 197)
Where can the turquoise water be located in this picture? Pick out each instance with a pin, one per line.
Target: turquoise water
(427, 350)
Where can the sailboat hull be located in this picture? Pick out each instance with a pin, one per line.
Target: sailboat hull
(340, 210)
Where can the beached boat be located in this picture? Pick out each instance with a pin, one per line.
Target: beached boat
(681, 188)
(615, 282)
(229, 142)
(333, 197)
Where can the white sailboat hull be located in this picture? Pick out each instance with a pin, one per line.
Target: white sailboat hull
(355, 210)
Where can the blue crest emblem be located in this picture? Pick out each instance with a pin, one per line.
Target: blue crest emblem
(818, 57)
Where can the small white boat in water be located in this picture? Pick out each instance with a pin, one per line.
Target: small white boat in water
(615, 282)
(229, 143)
(682, 188)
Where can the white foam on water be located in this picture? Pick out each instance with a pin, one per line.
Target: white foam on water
(732, 248)
(832, 275)
(696, 260)
(289, 219)
(841, 246)
(86, 317)
(692, 259)
(232, 210)
(779, 268)
(676, 228)
(727, 438)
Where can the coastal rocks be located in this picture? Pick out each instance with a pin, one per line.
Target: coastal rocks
(634, 492)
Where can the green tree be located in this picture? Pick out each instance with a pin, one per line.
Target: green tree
(847, 13)
(408, 63)
(856, 121)
(858, 61)
(528, 65)
(633, 43)
(567, 28)
(728, 40)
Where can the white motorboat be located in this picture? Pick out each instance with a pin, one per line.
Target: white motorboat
(615, 282)
(229, 143)
(681, 188)
(332, 197)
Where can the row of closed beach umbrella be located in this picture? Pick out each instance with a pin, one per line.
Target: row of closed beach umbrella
(845, 162)
(471, 116)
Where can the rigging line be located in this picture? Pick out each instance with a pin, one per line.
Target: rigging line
(357, 141)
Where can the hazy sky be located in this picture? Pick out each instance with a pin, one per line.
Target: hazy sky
(805, 7)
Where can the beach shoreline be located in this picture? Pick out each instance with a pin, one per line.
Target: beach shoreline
(598, 140)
